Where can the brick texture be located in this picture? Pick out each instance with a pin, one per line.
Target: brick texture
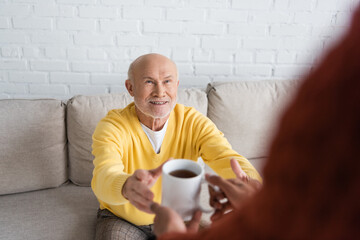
(66, 47)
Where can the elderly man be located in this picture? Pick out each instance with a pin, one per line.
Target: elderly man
(131, 144)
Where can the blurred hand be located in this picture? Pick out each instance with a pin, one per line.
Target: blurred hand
(239, 173)
(137, 188)
(233, 192)
(167, 220)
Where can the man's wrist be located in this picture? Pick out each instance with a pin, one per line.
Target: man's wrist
(123, 190)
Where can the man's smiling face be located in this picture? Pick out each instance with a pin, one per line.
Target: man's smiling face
(154, 86)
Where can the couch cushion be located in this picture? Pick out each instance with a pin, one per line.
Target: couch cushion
(67, 212)
(247, 111)
(83, 114)
(32, 145)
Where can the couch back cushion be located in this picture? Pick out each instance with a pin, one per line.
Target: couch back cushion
(246, 112)
(33, 152)
(83, 114)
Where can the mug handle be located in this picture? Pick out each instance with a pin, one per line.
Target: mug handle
(215, 188)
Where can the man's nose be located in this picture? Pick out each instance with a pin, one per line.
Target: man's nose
(159, 90)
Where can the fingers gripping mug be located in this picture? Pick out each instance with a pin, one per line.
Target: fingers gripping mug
(181, 185)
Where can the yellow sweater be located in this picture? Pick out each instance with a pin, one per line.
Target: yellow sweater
(120, 147)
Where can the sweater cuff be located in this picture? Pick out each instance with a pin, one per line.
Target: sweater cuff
(255, 176)
(118, 186)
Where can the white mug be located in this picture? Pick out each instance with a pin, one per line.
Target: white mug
(182, 194)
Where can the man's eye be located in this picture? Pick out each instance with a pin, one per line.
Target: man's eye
(148, 81)
(167, 81)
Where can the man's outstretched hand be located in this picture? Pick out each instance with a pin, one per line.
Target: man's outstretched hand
(233, 192)
(137, 188)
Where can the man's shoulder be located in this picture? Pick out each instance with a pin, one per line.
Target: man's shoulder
(119, 116)
(121, 112)
(187, 111)
(117, 120)
(181, 107)
(191, 118)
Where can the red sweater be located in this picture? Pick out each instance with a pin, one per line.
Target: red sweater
(312, 176)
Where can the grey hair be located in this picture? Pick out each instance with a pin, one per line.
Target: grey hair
(130, 72)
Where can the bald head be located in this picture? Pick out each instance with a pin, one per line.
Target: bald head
(150, 60)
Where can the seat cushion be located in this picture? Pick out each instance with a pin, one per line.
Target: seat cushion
(67, 212)
(83, 114)
(247, 112)
(33, 152)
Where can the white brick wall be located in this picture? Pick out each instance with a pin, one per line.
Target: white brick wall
(59, 48)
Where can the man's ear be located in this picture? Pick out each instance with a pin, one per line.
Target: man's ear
(129, 87)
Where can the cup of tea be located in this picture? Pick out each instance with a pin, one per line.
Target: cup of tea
(181, 185)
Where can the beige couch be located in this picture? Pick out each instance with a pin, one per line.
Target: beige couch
(45, 151)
